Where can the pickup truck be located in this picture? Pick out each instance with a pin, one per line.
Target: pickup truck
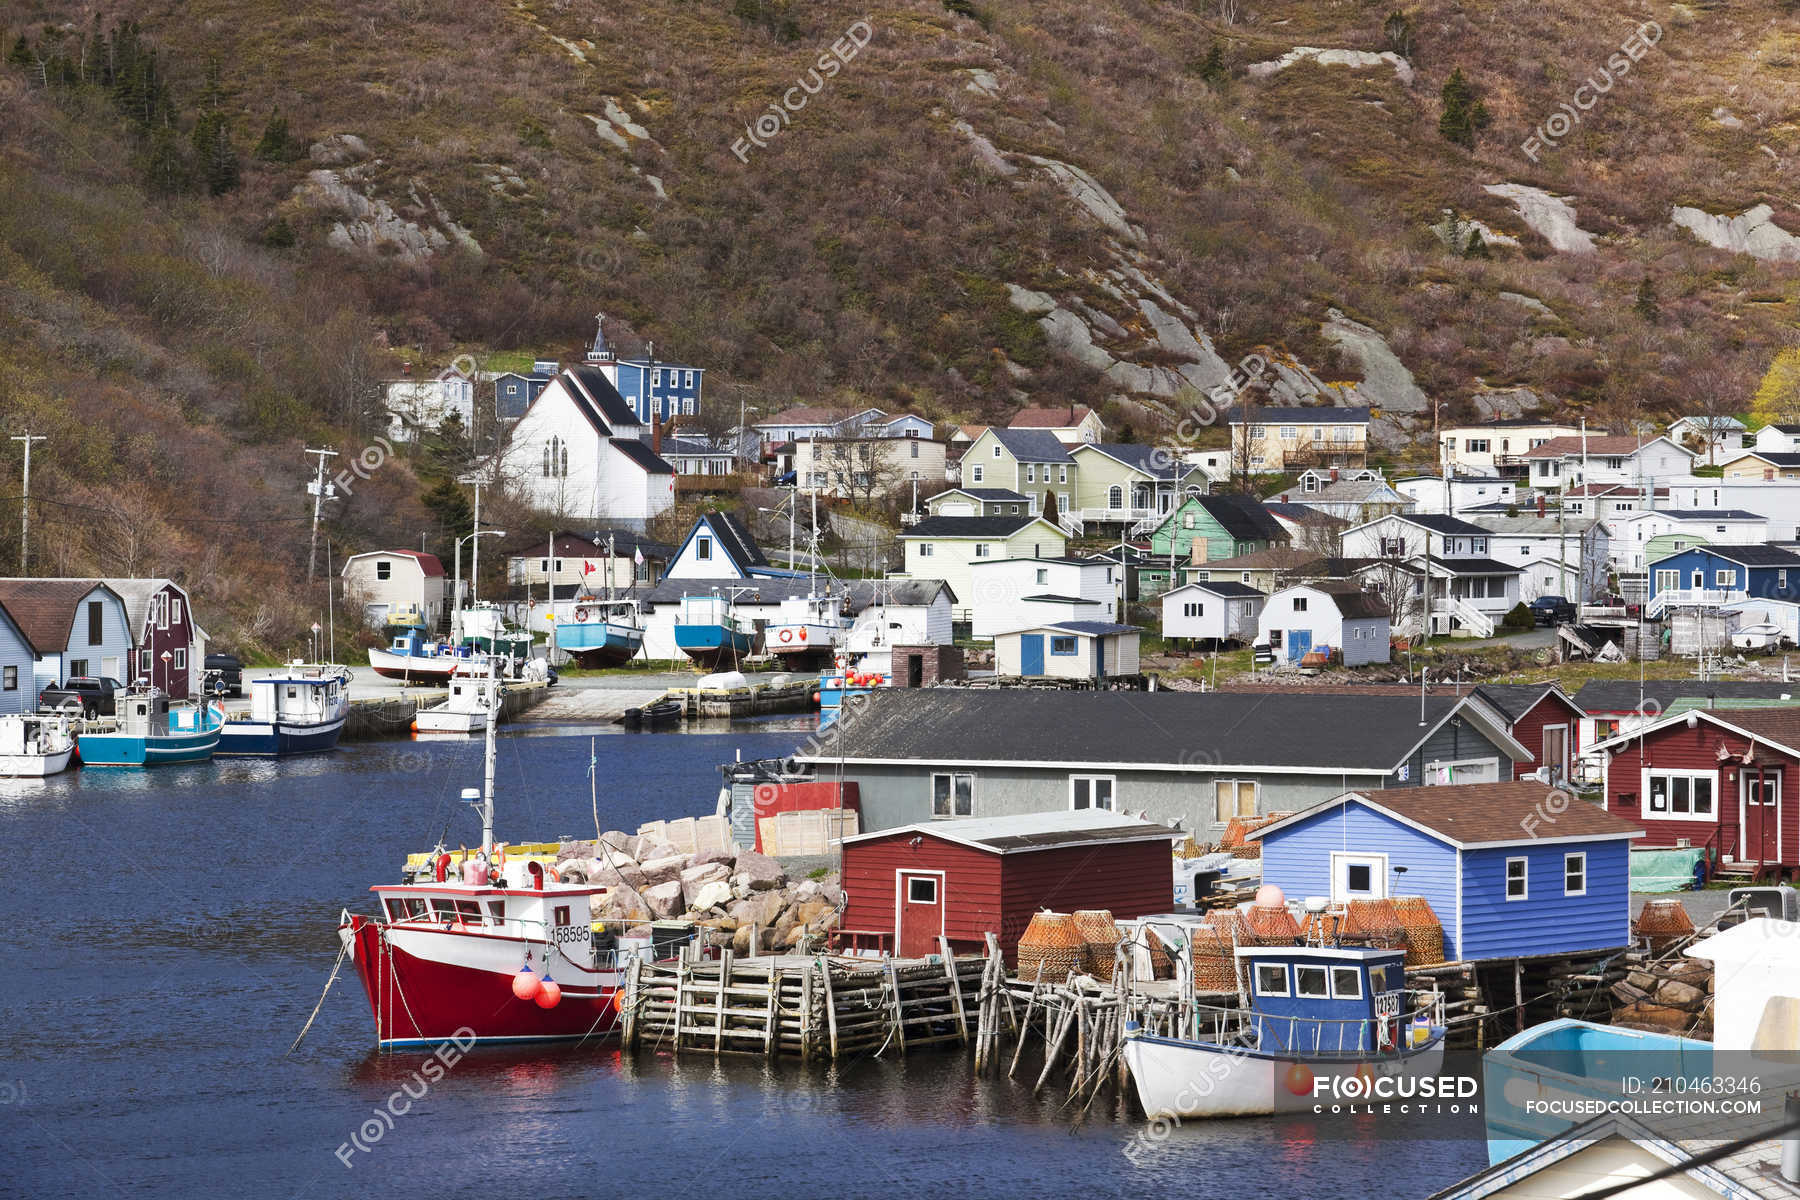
(225, 675)
(1552, 610)
(93, 695)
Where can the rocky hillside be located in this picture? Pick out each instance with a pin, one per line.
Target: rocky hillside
(950, 207)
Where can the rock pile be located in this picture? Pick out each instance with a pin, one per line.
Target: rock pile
(1667, 996)
(739, 898)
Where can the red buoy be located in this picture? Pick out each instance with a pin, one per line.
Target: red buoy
(526, 985)
(549, 993)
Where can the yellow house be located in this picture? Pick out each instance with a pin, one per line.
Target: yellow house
(946, 547)
(1287, 439)
(1763, 464)
(1030, 461)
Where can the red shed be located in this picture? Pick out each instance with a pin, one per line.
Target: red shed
(1725, 780)
(964, 879)
(1543, 719)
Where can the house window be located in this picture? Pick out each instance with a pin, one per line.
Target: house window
(1517, 882)
(1310, 982)
(1062, 474)
(1194, 609)
(921, 889)
(1092, 791)
(96, 623)
(1355, 876)
(1780, 576)
(924, 549)
(1478, 545)
(1115, 497)
(175, 610)
(1257, 431)
(1062, 646)
(1030, 473)
(1679, 795)
(914, 448)
(983, 550)
(703, 548)
(1346, 983)
(1476, 445)
(656, 379)
(1287, 433)
(1299, 604)
(1271, 979)
(1233, 798)
(12, 679)
(1725, 579)
(1043, 576)
(996, 451)
(180, 658)
(689, 380)
(977, 473)
(952, 794)
(1575, 874)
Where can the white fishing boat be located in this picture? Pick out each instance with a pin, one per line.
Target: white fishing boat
(33, 744)
(1326, 1024)
(466, 709)
(807, 630)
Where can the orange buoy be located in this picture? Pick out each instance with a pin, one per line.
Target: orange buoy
(1299, 1079)
(549, 993)
(527, 985)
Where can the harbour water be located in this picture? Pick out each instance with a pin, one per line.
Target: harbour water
(171, 930)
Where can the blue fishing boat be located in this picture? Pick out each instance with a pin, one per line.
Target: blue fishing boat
(297, 710)
(150, 732)
(710, 632)
(602, 633)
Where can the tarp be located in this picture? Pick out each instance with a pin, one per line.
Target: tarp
(1664, 870)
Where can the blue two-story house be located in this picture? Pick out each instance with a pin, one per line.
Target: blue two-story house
(514, 390)
(1512, 870)
(1700, 574)
(659, 389)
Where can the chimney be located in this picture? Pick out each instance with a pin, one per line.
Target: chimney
(1540, 505)
(656, 435)
(1284, 497)
(1334, 474)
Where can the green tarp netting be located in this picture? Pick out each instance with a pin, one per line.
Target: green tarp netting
(1663, 870)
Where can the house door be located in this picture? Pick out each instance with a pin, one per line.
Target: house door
(915, 670)
(1299, 641)
(1759, 816)
(1556, 751)
(1699, 579)
(919, 912)
(1031, 654)
(1099, 658)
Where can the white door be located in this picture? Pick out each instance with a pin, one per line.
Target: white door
(109, 667)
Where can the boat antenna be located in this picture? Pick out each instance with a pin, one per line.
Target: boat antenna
(487, 783)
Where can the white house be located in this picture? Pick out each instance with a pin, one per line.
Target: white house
(1710, 437)
(947, 548)
(1353, 496)
(1564, 462)
(1633, 532)
(1463, 493)
(1556, 557)
(1212, 612)
(1778, 500)
(419, 406)
(397, 586)
(75, 627)
(1026, 593)
(720, 547)
(804, 421)
(1068, 650)
(1609, 501)
(579, 452)
(1328, 617)
(1777, 439)
(1498, 447)
(1470, 590)
(905, 425)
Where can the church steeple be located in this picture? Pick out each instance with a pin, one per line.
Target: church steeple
(599, 352)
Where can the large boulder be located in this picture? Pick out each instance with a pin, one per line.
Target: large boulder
(623, 873)
(665, 868)
(760, 909)
(715, 855)
(655, 847)
(664, 899)
(808, 911)
(625, 905)
(830, 892)
(567, 850)
(705, 876)
(709, 895)
(757, 872)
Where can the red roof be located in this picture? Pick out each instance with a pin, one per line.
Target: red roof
(45, 609)
(428, 563)
(1473, 814)
(1564, 447)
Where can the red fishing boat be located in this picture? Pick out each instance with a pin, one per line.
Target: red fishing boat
(485, 949)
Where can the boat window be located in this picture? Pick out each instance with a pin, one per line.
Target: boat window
(415, 907)
(496, 912)
(562, 914)
(396, 910)
(470, 911)
(1310, 981)
(1346, 983)
(1271, 979)
(443, 910)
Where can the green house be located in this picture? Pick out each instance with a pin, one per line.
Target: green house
(1222, 526)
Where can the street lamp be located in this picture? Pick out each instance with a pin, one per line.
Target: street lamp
(475, 585)
(316, 631)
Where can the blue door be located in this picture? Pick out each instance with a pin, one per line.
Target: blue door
(1099, 658)
(1031, 654)
(1299, 642)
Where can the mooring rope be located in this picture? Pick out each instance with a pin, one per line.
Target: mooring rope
(342, 951)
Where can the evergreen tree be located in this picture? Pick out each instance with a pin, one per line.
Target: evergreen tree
(276, 143)
(1476, 246)
(20, 55)
(1212, 68)
(166, 168)
(1646, 306)
(1464, 114)
(450, 508)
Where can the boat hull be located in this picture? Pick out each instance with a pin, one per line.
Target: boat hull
(712, 646)
(431, 720)
(35, 766)
(428, 986)
(803, 658)
(600, 644)
(131, 750)
(418, 668)
(1205, 1079)
(266, 738)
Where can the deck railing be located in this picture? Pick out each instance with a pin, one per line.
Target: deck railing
(1318, 1036)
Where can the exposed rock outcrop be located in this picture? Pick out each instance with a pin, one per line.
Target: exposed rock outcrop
(1551, 217)
(1753, 232)
(1334, 58)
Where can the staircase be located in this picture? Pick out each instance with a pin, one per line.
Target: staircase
(1475, 623)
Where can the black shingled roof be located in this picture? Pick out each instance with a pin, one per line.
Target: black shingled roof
(961, 527)
(738, 543)
(1621, 695)
(1243, 517)
(1032, 445)
(1765, 555)
(1444, 523)
(1229, 590)
(641, 454)
(1256, 415)
(1324, 733)
(1513, 699)
(608, 405)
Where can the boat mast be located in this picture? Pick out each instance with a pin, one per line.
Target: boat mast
(487, 782)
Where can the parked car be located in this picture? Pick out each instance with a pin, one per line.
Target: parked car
(91, 695)
(1552, 610)
(224, 675)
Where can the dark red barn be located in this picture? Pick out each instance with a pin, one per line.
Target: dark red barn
(1725, 780)
(965, 879)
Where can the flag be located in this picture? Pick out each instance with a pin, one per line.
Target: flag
(637, 556)
(587, 568)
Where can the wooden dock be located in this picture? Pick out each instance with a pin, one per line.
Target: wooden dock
(374, 717)
(808, 1006)
(751, 700)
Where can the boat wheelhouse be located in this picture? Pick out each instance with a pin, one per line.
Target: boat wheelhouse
(297, 710)
(34, 744)
(150, 731)
(465, 709)
(807, 630)
(711, 633)
(602, 633)
(1315, 1012)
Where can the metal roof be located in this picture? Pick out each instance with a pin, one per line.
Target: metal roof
(1257, 415)
(970, 527)
(1033, 831)
(1032, 445)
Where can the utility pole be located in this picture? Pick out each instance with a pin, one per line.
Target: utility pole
(318, 488)
(25, 499)
(479, 480)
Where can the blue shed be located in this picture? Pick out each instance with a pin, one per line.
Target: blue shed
(1765, 572)
(1512, 870)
